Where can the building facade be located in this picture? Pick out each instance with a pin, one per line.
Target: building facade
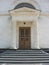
(24, 25)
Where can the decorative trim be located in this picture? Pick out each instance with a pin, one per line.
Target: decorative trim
(4, 14)
(44, 14)
(41, 14)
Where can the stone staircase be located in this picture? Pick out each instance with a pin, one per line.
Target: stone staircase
(24, 56)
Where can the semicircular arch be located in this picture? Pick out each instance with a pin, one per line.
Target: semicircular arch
(32, 2)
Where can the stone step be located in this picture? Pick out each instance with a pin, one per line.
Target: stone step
(24, 50)
(24, 56)
(23, 59)
(24, 62)
(26, 53)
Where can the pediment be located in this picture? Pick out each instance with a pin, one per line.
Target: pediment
(24, 9)
(24, 12)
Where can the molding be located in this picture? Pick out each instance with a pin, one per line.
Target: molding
(24, 12)
(41, 14)
(5, 14)
(44, 14)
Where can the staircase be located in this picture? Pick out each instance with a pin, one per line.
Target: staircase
(24, 56)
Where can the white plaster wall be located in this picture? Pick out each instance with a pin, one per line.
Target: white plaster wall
(34, 36)
(43, 29)
(5, 32)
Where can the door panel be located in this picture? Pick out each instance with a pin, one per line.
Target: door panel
(24, 38)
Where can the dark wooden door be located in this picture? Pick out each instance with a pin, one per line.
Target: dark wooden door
(24, 38)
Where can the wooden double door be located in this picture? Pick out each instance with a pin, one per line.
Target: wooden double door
(24, 38)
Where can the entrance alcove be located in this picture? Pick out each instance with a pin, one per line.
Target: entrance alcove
(25, 17)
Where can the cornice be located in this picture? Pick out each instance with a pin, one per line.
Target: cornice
(41, 14)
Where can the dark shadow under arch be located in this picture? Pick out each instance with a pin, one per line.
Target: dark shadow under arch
(24, 5)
